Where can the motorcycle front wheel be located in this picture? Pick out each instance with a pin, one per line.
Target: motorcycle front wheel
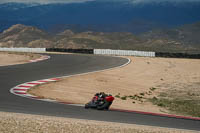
(103, 106)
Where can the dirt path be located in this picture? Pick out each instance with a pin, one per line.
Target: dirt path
(11, 58)
(143, 78)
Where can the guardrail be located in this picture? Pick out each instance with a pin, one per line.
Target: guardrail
(32, 50)
(178, 55)
(107, 52)
(83, 51)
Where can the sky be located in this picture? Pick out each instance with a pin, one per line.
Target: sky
(78, 1)
(44, 1)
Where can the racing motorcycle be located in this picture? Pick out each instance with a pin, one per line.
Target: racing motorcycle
(100, 101)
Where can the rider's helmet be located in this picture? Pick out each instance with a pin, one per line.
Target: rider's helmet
(97, 94)
(102, 95)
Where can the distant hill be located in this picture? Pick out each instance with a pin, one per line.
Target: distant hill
(100, 16)
(186, 35)
(184, 38)
(21, 35)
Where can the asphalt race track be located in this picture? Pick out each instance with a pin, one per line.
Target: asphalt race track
(63, 65)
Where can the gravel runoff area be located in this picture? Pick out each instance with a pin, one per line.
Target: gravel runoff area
(25, 123)
(12, 58)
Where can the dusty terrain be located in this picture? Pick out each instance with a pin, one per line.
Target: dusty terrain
(134, 84)
(11, 58)
(23, 123)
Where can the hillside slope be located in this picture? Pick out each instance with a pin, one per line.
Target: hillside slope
(184, 38)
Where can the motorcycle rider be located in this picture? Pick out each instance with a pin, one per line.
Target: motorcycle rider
(100, 101)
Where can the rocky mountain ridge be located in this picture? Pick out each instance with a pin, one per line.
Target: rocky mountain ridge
(184, 38)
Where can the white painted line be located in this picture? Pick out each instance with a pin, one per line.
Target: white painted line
(20, 88)
(20, 92)
(47, 100)
(129, 61)
(37, 82)
(48, 80)
(28, 84)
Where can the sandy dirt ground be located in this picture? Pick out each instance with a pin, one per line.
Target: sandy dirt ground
(136, 79)
(23, 123)
(12, 58)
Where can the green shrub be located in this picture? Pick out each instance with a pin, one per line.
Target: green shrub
(124, 97)
(118, 95)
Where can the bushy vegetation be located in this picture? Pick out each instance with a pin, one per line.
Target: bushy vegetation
(186, 107)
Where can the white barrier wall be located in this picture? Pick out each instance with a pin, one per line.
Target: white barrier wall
(124, 52)
(96, 51)
(32, 50)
